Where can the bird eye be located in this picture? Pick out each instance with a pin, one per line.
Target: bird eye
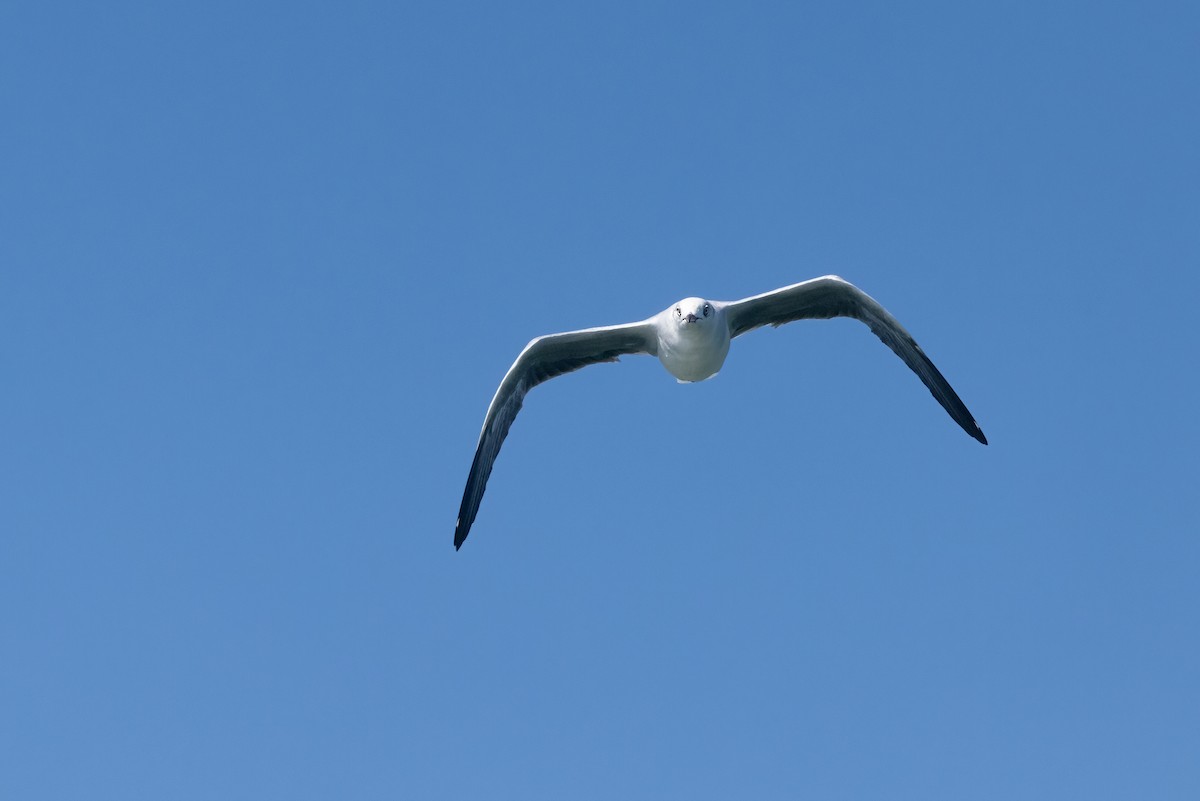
(678, 313)
(707, 308)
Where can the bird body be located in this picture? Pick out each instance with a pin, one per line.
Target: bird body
(691, 339)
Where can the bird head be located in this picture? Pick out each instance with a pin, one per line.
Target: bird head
(692, 312)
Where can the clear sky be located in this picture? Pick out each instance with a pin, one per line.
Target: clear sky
(262, 267)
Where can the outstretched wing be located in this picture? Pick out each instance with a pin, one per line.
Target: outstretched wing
(543, 359)
(830, 296)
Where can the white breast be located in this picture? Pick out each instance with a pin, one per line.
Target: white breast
(693, 352)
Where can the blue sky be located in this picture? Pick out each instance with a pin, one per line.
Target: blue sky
(262, 267)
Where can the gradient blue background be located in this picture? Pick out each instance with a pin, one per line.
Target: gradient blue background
(263, 267)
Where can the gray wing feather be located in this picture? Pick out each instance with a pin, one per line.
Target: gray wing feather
(830, 296)
(543, 358)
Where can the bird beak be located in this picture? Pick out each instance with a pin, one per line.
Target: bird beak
(691, 318)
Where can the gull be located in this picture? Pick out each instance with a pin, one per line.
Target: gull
(691, 339)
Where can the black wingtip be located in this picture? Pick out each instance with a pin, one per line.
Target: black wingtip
(460, 537)
(978, 434)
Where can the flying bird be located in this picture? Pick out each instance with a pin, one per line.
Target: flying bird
(691, 339)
